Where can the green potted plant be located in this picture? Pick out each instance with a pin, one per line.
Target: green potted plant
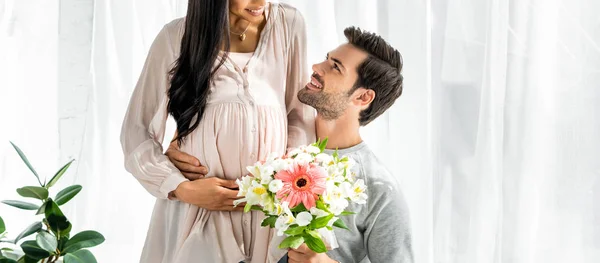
(53, 240)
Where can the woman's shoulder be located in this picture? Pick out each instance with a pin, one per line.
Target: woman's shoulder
(289, 15)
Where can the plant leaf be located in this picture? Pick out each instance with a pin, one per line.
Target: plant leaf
(83, 239)
(36, 192)
(269, 221)
(7, 260)
(33, 251)
(320, 222)
(67, 194)
(339, 223)
(2, 226)
(26, 161)
(21, 204)
(33, 228)
(81, 256)
(314, 243)
(46, 241)
(42, 209)
(292, 241)
(59, 174)
(295, 231)
(27, 259)
(57, 221)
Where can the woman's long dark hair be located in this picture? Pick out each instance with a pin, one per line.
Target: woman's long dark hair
(206, 24)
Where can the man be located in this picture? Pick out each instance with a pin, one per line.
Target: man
(357, 82)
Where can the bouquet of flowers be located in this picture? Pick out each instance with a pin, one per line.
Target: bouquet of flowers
(302, 194)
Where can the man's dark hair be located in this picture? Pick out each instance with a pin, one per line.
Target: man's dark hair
(380, 71)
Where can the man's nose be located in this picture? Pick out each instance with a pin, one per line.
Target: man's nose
(317, 68)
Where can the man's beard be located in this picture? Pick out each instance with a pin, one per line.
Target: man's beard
(330, 106)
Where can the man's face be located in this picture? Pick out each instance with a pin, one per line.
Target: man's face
(329, 90)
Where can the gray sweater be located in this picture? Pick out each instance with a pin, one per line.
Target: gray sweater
(380, 231)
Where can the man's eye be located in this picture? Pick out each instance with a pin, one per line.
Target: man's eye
(335, 66)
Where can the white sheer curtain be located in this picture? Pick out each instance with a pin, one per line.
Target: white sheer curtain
(516, 123)
(494, 139)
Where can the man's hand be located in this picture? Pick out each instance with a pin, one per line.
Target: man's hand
(189, 166)
(304, 255)
(210, 193)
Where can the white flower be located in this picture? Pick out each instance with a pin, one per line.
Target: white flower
(313, 149)
(338, 206)
(271, 157)
(318, 212)
(324, 158)
(275, 186)
(281, 224)
(294, 151)
(303, 218)
(358, 192)
(347, 190)
(281, 164)
(304, 158)
(257, 194)
(244, 184)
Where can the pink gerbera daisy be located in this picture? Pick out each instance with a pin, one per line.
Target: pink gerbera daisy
(302, 184)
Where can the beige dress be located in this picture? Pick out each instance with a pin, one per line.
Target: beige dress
(251, 111)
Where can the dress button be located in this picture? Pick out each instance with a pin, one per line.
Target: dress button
(252, 156)
(245, 221)
(254, 129)
(251, 103)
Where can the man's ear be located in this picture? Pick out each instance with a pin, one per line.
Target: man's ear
(363, 97)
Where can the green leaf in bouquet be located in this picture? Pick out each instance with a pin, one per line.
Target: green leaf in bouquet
(81, 256)
(269, 221)
(34, 251)
(314, 242)
(21, 204)
(59, 224)
(299, 208)
(257, 208)
(247, 207)
(67, 194)
(347, 213)
(335, 155)
(7, 260)
(36, 192)
(320, 222)
(340, 223)
(26, 161)
(46, 241)
(2, 226)
(33, 228)
(83, 239)
(323, 144)
(59, 174)
(294, 231)
(321, 205)
(292, 241)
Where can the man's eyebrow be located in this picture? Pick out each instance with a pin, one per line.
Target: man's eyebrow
(336, 61)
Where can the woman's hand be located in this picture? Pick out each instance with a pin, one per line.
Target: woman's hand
(213, 193)
(189, 165)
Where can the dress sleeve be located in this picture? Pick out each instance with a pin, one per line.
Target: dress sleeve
(144, 125)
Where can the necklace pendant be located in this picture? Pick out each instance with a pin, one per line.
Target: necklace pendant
(242, 37)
